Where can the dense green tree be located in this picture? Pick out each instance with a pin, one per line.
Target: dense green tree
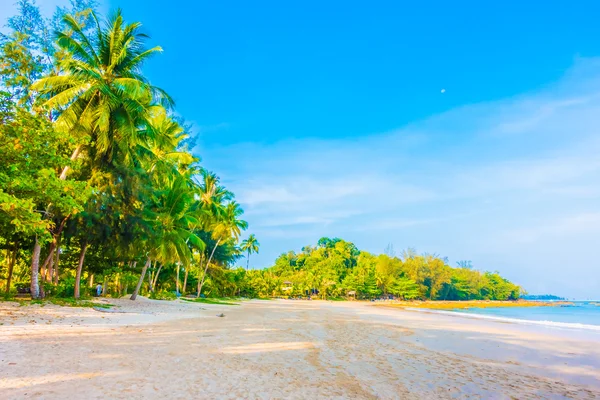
(335, 267)
(96, 173)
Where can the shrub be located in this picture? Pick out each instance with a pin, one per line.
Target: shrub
(163, 295)
(66, 289)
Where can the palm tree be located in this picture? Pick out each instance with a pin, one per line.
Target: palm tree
(250, 246)
(171, 222)
(100, 94)
(213, 196)
(226, 225)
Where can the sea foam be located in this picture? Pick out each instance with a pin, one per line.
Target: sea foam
(566, 325)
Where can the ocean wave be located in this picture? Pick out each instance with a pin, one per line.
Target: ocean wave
(566, 325)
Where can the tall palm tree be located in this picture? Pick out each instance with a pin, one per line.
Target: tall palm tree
(100, 94)
(213, 196)
(227, 225)
(160, 146)
(250, 246)
(171, 221)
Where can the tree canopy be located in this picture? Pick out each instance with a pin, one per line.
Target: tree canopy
(96, 177)
(336, 268)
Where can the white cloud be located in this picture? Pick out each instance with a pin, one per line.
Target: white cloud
(564, 227)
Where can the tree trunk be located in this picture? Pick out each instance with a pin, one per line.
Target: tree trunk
(139, 284)
(50, 269)
(185, 280)
(206, 268)
(177, 279)
(57, 259)
(248, 260)
(156, 277)
(35, 269)
(150, 279)
(63, 174)
(91, 281)
(50, 256)
(199, 268)
(104, 284)
(11, 265)
(41, 278)
(118, 284)
(79, 268)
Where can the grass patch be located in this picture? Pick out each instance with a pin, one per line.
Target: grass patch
(223, 302)
(337, 299)
(66, 302)
(8, 297)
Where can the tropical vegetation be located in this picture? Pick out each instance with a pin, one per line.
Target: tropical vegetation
(97, 180)
(99, 187)
(335, 268)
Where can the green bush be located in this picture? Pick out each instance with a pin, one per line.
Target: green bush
(163, 295)
(66, 289)
(10, 295)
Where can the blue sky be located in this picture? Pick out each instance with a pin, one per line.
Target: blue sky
(329, 120)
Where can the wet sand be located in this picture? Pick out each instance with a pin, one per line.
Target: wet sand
(285, 350)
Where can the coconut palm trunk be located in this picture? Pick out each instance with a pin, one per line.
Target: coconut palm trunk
(35, 269)
(79, 268)
(156, 277)
(50, 269)
(177, 279)
(206, 268)
(63, 174)
(141, 280)
(56, 261)
(11, 265)
(187, 270)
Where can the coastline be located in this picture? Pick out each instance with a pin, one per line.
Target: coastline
(284, 349)
(545, 323)
(454, 305)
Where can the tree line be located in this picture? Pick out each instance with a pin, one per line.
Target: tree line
(336, 268)
(97, 179)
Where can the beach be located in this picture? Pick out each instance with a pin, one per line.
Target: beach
(282, 349)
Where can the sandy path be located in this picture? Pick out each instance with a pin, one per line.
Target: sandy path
(284, 350)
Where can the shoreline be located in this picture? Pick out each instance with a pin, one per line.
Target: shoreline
(283, 349)
(501, 319)
(464, 304)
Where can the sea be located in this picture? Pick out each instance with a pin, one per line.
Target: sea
(580, 315)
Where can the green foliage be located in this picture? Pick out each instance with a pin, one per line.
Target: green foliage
(66, 289)
(95, 173)
(70, 302)
(223, 302)
(163, 295)
(336, 268)
(31, 153)
(404, 288)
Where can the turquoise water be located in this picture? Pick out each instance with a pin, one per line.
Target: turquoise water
(583, 315)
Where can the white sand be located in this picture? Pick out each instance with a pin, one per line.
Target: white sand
(284, 350)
